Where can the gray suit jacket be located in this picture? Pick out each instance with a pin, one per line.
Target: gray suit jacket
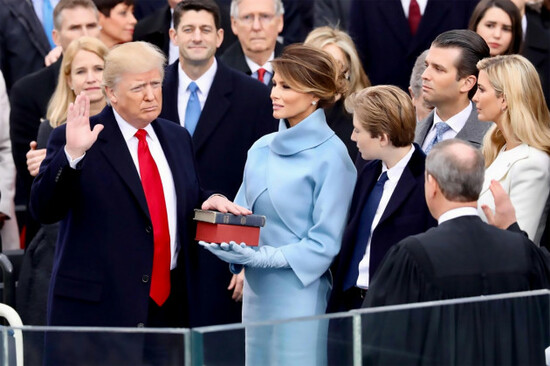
(473, 131)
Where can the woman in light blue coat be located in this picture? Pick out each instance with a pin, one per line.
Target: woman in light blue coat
(301, 178)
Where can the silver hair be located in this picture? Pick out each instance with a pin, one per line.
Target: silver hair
(458, 172)
(416, 75)
(234, 11)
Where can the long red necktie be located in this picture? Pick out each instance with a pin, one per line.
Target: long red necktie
(414, 16)
(154, 194)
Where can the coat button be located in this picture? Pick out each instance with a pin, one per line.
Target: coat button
(140, 325)
(145, 279)
(148, 229)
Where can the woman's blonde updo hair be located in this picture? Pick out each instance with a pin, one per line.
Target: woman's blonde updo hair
(308, 69)
(324, 36)
(63, 95)
(526, 117)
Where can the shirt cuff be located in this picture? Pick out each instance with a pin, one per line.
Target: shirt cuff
(72, 163)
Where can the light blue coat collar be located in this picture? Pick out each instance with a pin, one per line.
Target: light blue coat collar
(310, 132)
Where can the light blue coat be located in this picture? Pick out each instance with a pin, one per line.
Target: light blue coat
(302, 179)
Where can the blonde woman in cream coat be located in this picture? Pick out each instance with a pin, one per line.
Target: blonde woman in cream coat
(517, 147)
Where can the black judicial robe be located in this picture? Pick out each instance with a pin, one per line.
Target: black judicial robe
(462, 257)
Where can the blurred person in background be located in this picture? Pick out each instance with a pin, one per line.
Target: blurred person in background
(498, 22)
(340, 46)
(421, 107)
(9, 231)
(117, 21)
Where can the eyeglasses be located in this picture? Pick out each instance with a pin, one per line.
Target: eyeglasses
(263, 18)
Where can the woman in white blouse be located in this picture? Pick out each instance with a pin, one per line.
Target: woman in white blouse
(517, 147)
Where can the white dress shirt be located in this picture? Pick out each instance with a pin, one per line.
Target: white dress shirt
(456, 123)
(457, 212)
(204, 83)
(254, 67)
(421, 4)
(394, 174)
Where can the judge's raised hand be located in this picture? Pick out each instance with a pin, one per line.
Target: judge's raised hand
(79, 135)
(505, 214)
(220, 203)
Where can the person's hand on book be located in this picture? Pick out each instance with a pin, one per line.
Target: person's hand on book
(263, 257)
(220, 203)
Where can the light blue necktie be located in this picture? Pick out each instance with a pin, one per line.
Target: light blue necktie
(193, 110)
(47, 20)
(440, 129)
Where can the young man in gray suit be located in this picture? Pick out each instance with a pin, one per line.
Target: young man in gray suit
(448, 83)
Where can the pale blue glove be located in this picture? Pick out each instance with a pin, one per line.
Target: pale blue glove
(263, 257)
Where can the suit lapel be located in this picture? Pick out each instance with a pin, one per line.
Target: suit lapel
(114, 148)
(405, 185)
(28, 19)
(423, 127)
(216, 106)
(474, 130)
(170, 144)
(367, 179)
(500, 168)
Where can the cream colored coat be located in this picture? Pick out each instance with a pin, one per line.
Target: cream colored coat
(524, 173)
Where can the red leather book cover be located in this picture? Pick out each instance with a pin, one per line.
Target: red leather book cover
(222, 233)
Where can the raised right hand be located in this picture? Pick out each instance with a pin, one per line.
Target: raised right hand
(79, 135)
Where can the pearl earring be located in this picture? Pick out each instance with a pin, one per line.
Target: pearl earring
(314, 103)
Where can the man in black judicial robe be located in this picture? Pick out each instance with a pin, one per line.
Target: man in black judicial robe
(462, 257)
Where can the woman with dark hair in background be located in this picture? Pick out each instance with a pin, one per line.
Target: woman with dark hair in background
(117, 21)
(498, 22)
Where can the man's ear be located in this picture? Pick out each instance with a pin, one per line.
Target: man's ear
(384, 139)
(55, 37)
(234, 27)
(111, 95)
(468, 83)
(220, 37)
(172, 34)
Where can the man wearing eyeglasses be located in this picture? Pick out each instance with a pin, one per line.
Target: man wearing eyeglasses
(257, 24)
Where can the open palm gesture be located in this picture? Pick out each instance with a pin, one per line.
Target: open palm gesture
(79, 135)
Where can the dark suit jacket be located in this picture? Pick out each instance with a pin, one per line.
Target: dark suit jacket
(536, 48)
(406, 214)
(104, 254)
(385, 43)
(29, 102)
(23, 42)
(473, 131)
(237, 112)
(234, 57)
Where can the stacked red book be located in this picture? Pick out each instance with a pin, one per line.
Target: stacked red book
(218, 227)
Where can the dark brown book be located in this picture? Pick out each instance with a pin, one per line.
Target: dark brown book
(215, 217)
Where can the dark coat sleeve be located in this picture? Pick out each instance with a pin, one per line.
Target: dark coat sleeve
(399, 279)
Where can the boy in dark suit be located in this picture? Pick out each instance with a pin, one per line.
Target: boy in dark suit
(388, 203)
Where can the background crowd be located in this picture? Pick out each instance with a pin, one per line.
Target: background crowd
(329, 117)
